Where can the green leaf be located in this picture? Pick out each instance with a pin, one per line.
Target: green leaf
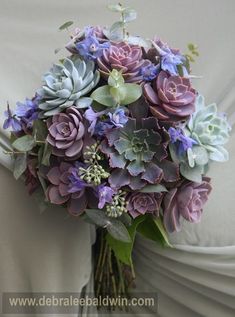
(116, 27)
(118, 231)
(129, 15)
(42, 182)
(132, 93)
(118, 94)
(116, 79)
(20, 165)
(39, 130)
(154, 231)
(102, 95)
(115, 7)
(98, 217)
(56, 51)
(24, 144)
(66, 25)
(122, 250)
(162, 230)
(153, 189)
(46, 154)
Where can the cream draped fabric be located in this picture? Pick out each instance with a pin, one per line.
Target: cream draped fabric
(52, 252)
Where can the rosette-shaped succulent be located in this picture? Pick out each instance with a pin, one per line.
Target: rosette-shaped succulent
(138, 154)
(171, 98)
(66, 187)
(210, 130)
(65, 133)
(125, 58)
(186, 201)
(207, 132)
(141, 203)
(66, 84)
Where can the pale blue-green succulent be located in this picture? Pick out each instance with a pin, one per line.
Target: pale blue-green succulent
(210, 130)
(66, 84)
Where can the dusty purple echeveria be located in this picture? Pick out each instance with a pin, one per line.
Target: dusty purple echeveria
(66, 132)
(142, 203)
(171, 98)
(186, 201)
(125, 58)
(67, 187)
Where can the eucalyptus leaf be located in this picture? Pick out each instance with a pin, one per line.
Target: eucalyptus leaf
(24, 144)
(137, 40)
(66, 25)
(57, 50)
(129, 15)
(115, 7)
(116, 27)
(20, 165)
(153, 189)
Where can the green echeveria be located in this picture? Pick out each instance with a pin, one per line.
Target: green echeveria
(66, 84)
(211, 131)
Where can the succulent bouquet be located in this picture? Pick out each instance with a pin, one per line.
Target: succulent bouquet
(118, 136)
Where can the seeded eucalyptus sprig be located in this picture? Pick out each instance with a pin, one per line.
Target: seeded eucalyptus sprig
(94, 173)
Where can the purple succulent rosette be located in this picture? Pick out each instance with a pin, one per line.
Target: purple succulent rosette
(171, 98)
(186, 201)
(118, 136)
(66, 133)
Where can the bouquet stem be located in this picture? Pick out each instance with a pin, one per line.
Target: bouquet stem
(112, 277)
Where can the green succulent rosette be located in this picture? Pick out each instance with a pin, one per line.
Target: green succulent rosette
(210, 131)
(67, 84)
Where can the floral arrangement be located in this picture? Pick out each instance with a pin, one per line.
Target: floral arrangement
(118, 136)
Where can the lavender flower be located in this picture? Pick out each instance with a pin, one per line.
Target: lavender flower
(92, 117)
(149, 72)
(118, 118)
(76, 183)
(11, 121)
(170, 58)
(182, 141)
(27, 111)
(102, 127)
(105, 194)
(90, 48)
